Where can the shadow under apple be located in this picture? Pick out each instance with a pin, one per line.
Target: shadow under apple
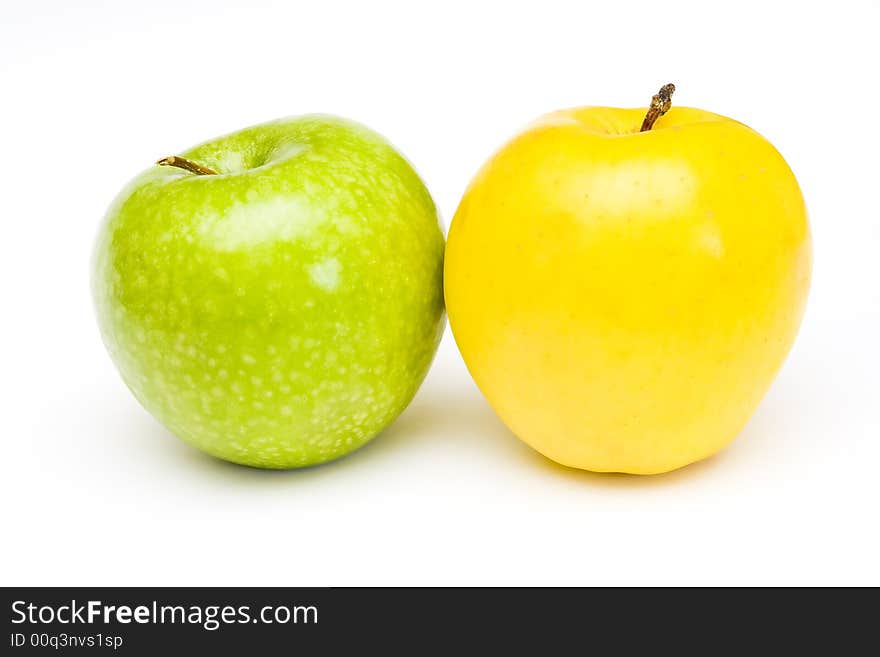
(462, 420)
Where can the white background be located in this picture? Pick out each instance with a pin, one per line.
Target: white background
(94, 491)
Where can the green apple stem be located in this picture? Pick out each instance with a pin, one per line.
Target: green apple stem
(660, 104)
(188, 165)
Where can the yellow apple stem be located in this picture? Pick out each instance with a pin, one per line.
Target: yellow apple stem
(183, 163)
(660, 104)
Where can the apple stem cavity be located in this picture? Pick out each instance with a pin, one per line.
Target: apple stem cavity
(188, 165)
(660, 104)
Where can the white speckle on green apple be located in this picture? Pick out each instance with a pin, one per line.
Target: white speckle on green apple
(325, 274)
(282, 309)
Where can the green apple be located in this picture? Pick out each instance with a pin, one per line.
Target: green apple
(274, 298)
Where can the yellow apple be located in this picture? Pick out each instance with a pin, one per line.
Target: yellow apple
(624, 297)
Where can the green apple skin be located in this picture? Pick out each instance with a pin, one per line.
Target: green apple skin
(283, 312)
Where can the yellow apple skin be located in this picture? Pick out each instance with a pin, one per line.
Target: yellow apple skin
(624, 299)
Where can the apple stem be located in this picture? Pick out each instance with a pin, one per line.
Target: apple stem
(660, 104)
(189, 165)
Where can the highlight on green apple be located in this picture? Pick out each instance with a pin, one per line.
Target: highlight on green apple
(274, 297)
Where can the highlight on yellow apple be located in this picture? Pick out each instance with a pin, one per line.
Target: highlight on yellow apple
(624, 284)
